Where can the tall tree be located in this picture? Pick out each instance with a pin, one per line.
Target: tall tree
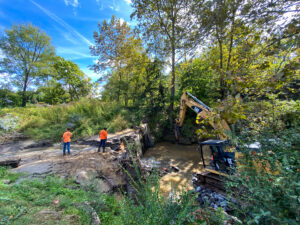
(219, 19)
(115, 44)
(27, 52)
(243, 32)
(165, 26)
(73, 79)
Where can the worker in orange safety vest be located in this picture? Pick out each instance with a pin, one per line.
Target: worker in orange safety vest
(103, 138)
(66, 139)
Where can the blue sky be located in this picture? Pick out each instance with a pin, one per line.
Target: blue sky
(70, 23)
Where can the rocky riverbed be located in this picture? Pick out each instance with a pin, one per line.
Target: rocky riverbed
(176, 164)
(85, 165)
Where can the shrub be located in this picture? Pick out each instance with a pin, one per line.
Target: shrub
(85, 117)
(270, 194)
(118, 124)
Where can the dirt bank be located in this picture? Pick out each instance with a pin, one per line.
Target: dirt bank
(85, 164)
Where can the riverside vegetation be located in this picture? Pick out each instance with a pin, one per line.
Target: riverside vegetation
(263, 197)
(247, 70)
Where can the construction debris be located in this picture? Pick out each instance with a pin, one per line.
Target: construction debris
(208, 197)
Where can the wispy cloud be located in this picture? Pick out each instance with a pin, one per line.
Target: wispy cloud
(90, 73)
(73, 3)
(128, 1)
(74, 53)
(100, 5)
(114, 8)
(111, 4)
(63, 23)
(69, 38)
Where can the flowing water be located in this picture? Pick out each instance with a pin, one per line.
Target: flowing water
(184, 157)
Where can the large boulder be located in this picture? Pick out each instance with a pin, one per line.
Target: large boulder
(102, 186)
(82, 178)
(88, 179)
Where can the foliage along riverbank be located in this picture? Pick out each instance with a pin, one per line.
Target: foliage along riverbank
(85, 117)
(263, 197)
(247, 70)
(52, 199)
(266, 196)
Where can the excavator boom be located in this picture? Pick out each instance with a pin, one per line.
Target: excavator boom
(203, 112)
(208, 177)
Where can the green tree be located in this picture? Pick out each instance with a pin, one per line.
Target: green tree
(165, 24)
(153, 95)
(27, 52)
(53, 93)
(115, 45)
(9, 98)
(198, 78)
(244, 34)
(72, 78)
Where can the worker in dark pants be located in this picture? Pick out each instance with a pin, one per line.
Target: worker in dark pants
(103, 138)
(66, 139)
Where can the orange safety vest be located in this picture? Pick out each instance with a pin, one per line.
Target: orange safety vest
(103, 134)
(67, 136)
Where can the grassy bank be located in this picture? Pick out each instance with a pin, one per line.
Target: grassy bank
(38, 201)
(85, 117)
(58, 201)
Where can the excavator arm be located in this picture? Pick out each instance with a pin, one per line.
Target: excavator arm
(203, 112)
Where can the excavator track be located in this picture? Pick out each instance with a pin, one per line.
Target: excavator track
(211, 180)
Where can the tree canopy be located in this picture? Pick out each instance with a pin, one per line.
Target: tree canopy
(27, 55)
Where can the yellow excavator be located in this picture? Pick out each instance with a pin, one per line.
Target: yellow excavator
(217, 159)
(203, 112)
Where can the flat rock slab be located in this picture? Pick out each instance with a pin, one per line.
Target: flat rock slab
(13, 162)
(35, 168)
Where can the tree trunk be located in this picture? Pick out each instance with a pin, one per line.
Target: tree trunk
(230, 47)
(173, 79)
(119, 88)
(126, 99)
(222, 78)
(71, 96)
(24, 90)
(232, 29)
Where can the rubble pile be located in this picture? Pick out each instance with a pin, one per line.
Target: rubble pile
(151, 165)
(209, 197)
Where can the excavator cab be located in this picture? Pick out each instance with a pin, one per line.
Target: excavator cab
(216, 157)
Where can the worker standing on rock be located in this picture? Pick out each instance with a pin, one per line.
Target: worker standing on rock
(103, 138)
(66, 138)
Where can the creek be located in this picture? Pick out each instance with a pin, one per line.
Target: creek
(184, 157)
